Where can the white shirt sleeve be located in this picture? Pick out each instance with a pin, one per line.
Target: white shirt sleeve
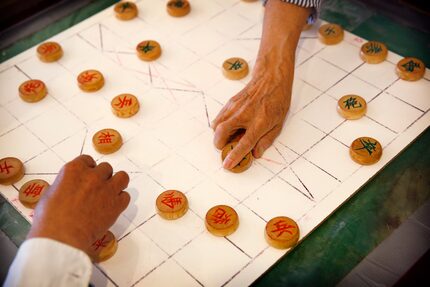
(46, 262)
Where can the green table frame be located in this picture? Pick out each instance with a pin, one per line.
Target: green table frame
(356, 228)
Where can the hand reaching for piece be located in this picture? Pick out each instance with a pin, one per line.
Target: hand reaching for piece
(82, 203)
(259, 110)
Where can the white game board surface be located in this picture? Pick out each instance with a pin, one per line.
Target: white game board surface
(305, 175)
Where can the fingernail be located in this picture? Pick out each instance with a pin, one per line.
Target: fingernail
(259, 152)
(227, 163)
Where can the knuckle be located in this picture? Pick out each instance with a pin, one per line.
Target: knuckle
(222, 128)
(246, 142)
(93, 177)
(71, 166)
(107, 166)
(123, 177)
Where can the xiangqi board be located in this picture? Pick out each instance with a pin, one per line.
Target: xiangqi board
(167, 144)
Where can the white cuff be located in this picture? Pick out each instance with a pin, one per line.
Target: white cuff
(46, 262)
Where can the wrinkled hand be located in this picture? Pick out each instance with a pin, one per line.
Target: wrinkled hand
(259, 111)
(82, 203)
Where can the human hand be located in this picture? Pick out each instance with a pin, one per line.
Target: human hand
(82, 203)
(258, 111)
(260, 108)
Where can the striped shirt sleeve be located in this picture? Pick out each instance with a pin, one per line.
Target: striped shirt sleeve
(315, 4)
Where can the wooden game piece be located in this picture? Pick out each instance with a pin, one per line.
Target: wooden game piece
(235, 68)
(243, 165)
(282, 232)
(373, 52)
(178, 8)
(351, 107)
(365, 150)
(171, 204)
(410, 69)
(103, 248)
(125, 10)
(148, 50)
(90, 80)
(49, 52)
(107, 141)
(31, 191)
(32, 91)
(11, 170)
(221, 220)
(125, 105)
(330, 34)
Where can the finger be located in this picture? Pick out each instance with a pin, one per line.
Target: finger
(221, 117)
(265, 142)
(123, 200)
(244, 146)
(120, 181)
(87, 160)
(227, 110)
(223, 133)
(105, 170)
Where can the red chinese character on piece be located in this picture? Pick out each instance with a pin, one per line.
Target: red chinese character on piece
(5, 168)
(170, 200)
(99, 243)
(220, 216)
(124, 102)
(31, 86)
(105, 138)
(48, 48)
(33, 189)
(87, 77)
(282, 227)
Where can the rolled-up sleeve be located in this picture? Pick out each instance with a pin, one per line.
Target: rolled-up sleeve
(315, 4)
(46, 262)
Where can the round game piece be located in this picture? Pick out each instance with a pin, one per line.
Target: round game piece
(410, 69)
(171, 204)
(49, 52)
(32, 91)
(148, 50)
(178, 8)
(107, 141)
(221, 220)
(373, 52)
(330, 34)
(31, 191)
(90, 80)
(235, 68)
(351, 107)
(11, 170)
(125, 105)
(282, 232)
(243, 165)
(103, 248)
(125, 10)
(365, 150)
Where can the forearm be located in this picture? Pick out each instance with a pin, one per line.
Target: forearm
(283, 23)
